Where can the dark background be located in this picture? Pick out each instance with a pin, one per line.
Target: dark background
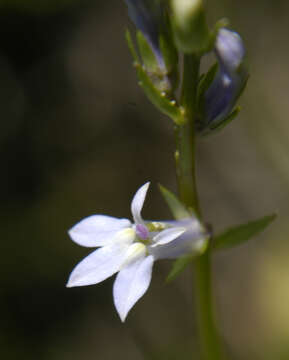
(77, 137)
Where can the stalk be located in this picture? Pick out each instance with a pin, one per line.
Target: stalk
(210, 346)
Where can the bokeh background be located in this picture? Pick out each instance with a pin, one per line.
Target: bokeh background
(77, 137)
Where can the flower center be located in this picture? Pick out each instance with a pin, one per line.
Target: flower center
(142, 231)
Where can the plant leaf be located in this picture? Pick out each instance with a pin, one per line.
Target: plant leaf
(179, 266)
(238, 234)
(178, 210)
(131, 46)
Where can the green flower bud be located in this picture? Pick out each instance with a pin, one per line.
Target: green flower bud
(191, 32)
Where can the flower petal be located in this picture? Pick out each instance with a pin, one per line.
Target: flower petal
(97, 230)
(168, 235)
(137, 203)
(131, 283)
(98, 266)
(191, 241)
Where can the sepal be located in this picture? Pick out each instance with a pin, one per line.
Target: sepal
(204, 83)
(179, 211)
(222, 23)
(131, 47)
(178, 267)
(206, 80)
(214, 128)
(181, 263)
(159, 99)
(171, 59)
(157, 72)
(149, 59)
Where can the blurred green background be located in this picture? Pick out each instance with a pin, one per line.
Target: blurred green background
(78, 137)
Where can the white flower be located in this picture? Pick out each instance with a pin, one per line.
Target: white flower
(130, 249)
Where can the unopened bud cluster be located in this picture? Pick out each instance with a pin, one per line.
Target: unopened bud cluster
(167, 31)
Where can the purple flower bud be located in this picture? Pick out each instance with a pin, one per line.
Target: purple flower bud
(222, 94)
(229, 49)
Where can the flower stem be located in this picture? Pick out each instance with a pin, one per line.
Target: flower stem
(210, 347)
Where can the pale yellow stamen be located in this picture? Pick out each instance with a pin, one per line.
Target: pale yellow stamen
(134, 252)
(126, 236)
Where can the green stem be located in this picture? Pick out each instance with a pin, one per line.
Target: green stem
(210, 346)
(185, 136)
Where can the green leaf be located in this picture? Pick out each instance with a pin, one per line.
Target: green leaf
(178, 210)
(178, 267)
(131, 46)
(239, 234)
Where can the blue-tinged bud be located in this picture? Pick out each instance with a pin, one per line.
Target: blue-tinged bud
(229, 49)
(147, 16)
(220, 98)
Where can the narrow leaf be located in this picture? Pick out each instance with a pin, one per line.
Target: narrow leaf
(178, 210)
(241, 233)
(178, 267)
(131, 46)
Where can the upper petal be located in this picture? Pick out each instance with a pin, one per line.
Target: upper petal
(131, 283)
(137, 203)
(192, 240)
(97, 230)
(98, 266)
(168, 235)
